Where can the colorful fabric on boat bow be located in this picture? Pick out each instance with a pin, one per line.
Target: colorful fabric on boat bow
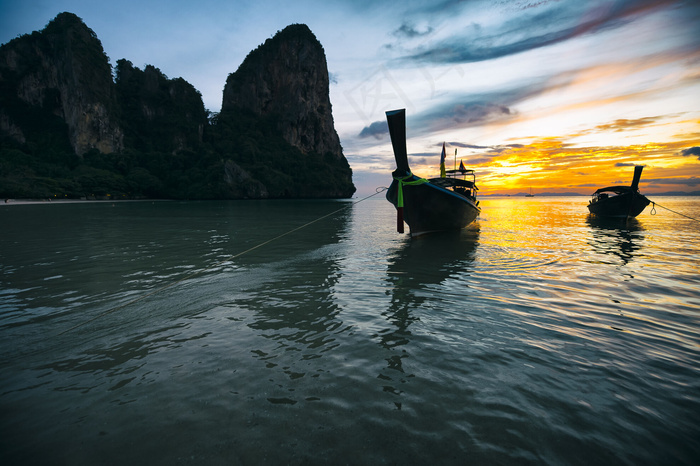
(399, 199)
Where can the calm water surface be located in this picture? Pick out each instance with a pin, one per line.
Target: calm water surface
(158, 333)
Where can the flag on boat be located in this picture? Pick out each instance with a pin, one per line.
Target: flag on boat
(462, 168)
(442, 162)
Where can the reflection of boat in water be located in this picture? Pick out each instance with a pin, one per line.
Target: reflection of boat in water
(617, 236)
(428, 205)
(433, 258)
(619, 201)
(421, 264)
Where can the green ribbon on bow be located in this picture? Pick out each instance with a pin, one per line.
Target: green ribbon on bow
(402, 182)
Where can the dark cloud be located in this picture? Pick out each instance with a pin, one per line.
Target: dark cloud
(540, 25)
(497, 150)
(423, 159)
(469, 111)
(460, 115)
(440, 8)
(476, 160)
(410, 31)
(467, 146)
(478, 113)
(472, 110)
(626, 164)
(692, 181)
(691, 152)
(462, 50)
(376, 130)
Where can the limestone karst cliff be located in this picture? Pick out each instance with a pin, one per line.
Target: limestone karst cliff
(158, 113)
(63, 70)
(285, 83)
(68, 128)
(287, 77)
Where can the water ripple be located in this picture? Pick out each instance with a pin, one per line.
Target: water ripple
(574, 343)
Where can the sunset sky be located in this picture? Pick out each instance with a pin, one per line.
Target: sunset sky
(557, 96)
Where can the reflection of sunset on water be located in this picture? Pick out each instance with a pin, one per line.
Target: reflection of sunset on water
(529, 233)
(450, 345)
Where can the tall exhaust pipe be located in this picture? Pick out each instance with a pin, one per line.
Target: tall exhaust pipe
(396, 119)
(637, 175)
(397, 131)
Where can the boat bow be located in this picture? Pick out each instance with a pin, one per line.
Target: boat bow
(427, 205)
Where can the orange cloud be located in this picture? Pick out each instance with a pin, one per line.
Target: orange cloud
(550, 164)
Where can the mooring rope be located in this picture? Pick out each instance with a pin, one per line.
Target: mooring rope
(217, 264)
(653, 212)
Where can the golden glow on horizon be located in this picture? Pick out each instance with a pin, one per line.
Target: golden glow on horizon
(587, 131)
(549, 164)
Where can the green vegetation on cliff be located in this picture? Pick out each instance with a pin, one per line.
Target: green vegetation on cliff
(255, 144)
(60, 107)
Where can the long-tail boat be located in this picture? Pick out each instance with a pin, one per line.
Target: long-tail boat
(428, 205)
(619, 201)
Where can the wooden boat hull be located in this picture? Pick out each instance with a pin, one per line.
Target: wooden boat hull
(430, 208)
(427, 205)
(627, 205)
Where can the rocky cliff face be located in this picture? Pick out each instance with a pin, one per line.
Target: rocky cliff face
(158, 113)
(144, 135)
(63, 70)
(287, 78)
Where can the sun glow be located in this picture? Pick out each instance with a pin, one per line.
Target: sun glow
(550, 164)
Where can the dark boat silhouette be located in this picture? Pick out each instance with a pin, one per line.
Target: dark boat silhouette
(619, 201)
(428, 205)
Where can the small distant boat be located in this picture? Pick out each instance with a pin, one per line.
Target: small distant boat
(530, 195)
(428, 205)
(620, 201)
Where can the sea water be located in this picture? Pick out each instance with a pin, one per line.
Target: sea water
(311, 332)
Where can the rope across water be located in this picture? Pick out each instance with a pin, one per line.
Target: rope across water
(402, 181)
(217, 264)
(653, 212)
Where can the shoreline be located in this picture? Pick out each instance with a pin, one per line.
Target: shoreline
(9, 201)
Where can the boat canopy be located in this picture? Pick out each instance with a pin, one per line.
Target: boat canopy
(460, 172)
(616, 190)
(450, 182)
(633, 188)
